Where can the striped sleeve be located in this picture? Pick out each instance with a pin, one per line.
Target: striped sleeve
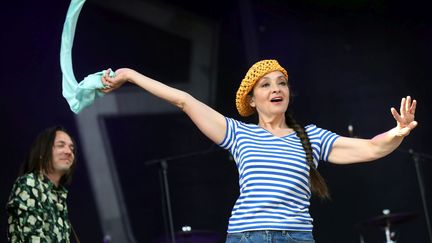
(323, 138)
(228, 141)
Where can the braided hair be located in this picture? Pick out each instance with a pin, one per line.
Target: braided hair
(317, 183)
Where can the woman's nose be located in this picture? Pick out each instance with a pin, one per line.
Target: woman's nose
(275, 88)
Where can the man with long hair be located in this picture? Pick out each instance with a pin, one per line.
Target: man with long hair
(37, 210)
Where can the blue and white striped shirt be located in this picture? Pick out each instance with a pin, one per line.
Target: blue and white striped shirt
(273, 176)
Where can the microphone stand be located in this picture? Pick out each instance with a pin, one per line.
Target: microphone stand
(165, 186)
(416, 156)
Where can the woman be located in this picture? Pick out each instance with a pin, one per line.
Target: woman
(276, 158)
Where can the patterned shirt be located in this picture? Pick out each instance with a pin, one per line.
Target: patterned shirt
(273, 176)
(37, 211)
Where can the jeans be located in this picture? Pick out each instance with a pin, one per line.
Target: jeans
(271, 236)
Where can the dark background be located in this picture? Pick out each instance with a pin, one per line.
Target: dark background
(348, 61)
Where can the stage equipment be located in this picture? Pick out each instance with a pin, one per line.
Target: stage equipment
(169, 222)
(386, 221)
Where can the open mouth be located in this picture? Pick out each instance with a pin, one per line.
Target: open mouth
(276, 99)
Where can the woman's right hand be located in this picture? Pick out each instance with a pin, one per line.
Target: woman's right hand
(116, 81)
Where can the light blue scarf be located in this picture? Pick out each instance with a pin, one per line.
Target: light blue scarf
(78, 95)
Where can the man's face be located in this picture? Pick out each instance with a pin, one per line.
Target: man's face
(62, 153)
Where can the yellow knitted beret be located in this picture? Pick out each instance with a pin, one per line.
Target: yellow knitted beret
(257, 71)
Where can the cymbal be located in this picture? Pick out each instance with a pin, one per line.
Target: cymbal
(387, 219)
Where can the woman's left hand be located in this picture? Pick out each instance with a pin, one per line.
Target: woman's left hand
(405, 120)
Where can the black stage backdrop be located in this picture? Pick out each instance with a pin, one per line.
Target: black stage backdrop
(348, 64)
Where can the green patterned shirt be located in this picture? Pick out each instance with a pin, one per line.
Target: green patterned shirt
(37, 211)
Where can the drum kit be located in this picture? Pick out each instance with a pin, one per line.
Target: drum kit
(385, 222)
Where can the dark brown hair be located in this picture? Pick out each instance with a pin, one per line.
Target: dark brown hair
(317, 183)
(39, 158)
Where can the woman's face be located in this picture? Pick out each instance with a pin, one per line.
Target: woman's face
(270, 95)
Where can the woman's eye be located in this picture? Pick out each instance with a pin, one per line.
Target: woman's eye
(264, 85)
(282, 82)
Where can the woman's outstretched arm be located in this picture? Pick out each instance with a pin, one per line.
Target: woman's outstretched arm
(352, 150)
(209, 121)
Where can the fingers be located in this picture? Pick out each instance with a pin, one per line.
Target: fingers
(408, 103)
(402, 108)
(412, 125)
(395, 114)
(413, 107)
(107, 73)
(111, 80)
(407, 130)
(106, 78)
(405, 119)
(106, 89)
(408, 106)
